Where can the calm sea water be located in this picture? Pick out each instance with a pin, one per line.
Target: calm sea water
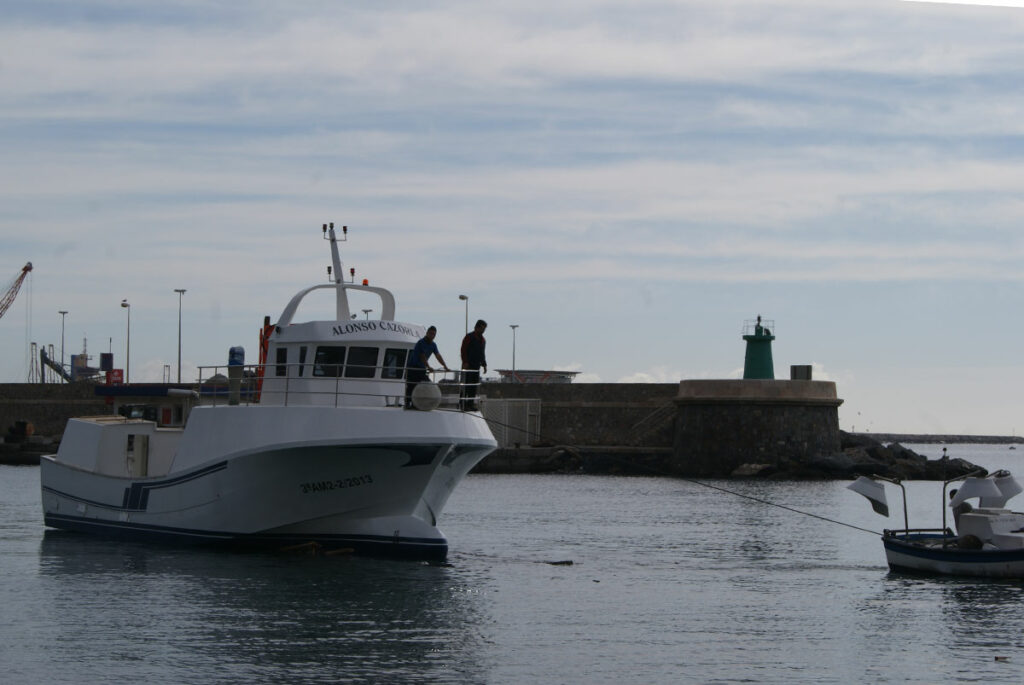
(670, 582)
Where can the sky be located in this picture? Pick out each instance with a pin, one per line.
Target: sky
(628, 183)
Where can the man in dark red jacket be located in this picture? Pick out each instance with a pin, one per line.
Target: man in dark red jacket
(473, 359)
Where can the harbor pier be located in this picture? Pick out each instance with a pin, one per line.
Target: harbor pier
(711, 428)
(726, 425)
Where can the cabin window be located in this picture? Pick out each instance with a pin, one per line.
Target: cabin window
(394, 363)
(302, 360)
(362, 362)
(282, 361)
(328, 361)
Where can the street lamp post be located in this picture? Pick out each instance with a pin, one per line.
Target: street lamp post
(63, 313)
(180, 291)
(513, 326)
(465, 298)
(128, 349)
(367, 312)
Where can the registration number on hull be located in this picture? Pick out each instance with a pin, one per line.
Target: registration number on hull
(338, 484)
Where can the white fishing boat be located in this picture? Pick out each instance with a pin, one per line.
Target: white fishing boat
(313, 445)
(988, 540)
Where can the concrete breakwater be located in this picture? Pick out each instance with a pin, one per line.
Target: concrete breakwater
(715, 429)
(613, 428)
(47, 407)
(33, 416)
(751, 426)
(858, 455)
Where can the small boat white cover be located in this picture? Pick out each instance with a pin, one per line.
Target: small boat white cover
(873, 491)
(975, 487)
(1008, 489)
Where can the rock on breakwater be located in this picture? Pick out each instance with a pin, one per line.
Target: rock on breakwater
(859, 455)
(863, 456)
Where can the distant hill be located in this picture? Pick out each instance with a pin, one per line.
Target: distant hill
(903, 438)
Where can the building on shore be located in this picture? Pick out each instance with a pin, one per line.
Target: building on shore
(535, 376)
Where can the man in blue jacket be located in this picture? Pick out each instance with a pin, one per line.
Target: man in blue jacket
(419, 363)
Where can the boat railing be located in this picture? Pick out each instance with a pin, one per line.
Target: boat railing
(321, 384)
(943, 534)
(909, 531)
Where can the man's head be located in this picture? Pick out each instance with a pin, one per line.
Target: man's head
(431, 332)
(480, 326)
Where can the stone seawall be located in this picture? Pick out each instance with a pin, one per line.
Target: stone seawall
(599, 414)
(640, 428)
(723, 425)
(47, 406)
(615, 422)
(610, 414)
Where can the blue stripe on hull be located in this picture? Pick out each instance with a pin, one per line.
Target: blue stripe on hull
(375, 545)
(136, 496)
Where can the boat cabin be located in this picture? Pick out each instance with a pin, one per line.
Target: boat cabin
(326, 363)
(344, 362)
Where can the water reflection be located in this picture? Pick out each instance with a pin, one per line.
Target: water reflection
(265, 617)
(983, 607)
(961, 624)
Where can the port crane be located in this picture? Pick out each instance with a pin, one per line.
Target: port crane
(11, 291)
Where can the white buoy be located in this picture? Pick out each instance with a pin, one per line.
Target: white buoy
(426, 396)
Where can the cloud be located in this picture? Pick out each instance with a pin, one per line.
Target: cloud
(658, 374)
(819, 373)
(581, 377)
(993, 3)
(251, 58)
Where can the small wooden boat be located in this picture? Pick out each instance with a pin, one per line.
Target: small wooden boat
(988, 541)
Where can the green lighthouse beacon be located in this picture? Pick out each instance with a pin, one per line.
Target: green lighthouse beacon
(758, 363)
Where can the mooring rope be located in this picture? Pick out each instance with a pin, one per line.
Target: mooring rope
(659, 472)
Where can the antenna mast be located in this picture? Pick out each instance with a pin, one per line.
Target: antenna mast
(341, 306)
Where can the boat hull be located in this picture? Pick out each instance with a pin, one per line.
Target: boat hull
(915, 555)
(380, 498)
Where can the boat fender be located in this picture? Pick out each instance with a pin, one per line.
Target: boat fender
(426, 396)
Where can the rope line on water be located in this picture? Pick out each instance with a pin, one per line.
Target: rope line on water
(659, 472)
(780, 506)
